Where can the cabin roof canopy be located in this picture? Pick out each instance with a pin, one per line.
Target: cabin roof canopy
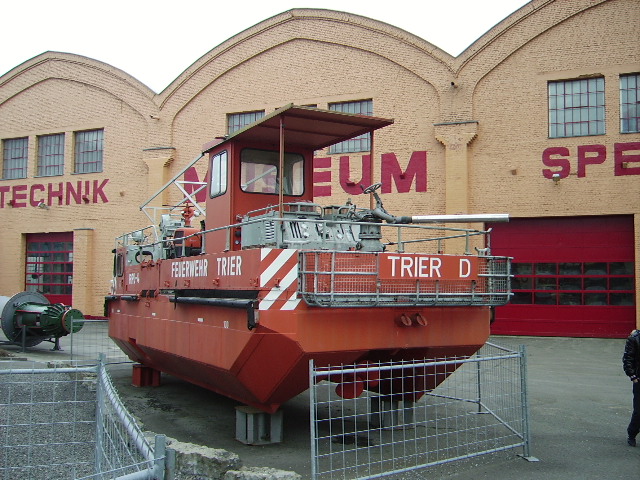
(306, 127)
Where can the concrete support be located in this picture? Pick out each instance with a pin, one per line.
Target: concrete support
(255, 427)
(387, 413)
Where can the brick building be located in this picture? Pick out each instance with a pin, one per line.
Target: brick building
(538, 118)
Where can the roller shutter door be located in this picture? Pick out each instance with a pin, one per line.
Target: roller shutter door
(573, 276)
(49, 265)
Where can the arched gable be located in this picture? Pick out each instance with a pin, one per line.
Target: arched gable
(78, 69)
(315, 25)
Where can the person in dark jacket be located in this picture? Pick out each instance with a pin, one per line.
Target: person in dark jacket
(631, 366)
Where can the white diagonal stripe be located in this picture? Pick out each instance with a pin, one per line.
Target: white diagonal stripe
(275, 292)
(276, 265)
(292, 302)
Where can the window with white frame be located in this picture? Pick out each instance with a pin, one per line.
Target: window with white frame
(361, 143)
(50, 155)
(237, 121)
(576, 108)
(15, 158)
(89, 151)
(630, 103)
(218, 170)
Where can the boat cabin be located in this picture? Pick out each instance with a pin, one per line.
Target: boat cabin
(268, 166)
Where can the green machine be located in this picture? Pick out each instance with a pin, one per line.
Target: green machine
(28, 319)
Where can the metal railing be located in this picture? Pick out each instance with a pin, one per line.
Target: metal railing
(396, 236)
(479, 406)
(348, 279)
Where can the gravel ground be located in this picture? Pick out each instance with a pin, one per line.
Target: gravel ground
(47, 424)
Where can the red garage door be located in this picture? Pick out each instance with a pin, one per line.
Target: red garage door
(49, 265)
(573, 276)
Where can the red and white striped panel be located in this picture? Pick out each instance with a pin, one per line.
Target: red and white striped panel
(280, 274)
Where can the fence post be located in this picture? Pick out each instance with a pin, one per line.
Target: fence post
(526, 454)
(71, 334)
(159, 454)
(312, 417)
(100, 403)
(170, 464)
(479, 383)
(71, 340)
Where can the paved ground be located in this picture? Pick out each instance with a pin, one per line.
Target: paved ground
(579, 401)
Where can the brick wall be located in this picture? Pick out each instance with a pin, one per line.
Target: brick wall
(499, 85)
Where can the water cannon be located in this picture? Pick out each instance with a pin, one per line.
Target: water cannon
(380, 213)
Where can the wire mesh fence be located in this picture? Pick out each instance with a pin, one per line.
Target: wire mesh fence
(47, 422)
(67, 422)
(386, 419)
(87, 339)
(93, 340)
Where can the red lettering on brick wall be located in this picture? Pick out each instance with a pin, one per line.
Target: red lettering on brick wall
(321, 177)
(322, 191)
(590, 155)
(548, 158)
(416, 169)
(98, 192)
(624, 163)
(18, 198)
(75, 193)
(51, 193)
(622, 160)
(3, 189)
(38, 193)
(33, 201)
(347, 182)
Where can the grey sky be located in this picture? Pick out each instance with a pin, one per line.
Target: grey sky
(156, 40)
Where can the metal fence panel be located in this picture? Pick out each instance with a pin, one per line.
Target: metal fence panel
(87, 340)
(67, 422)
(47, 422)
(121, 448)
(479, 407)
(93, 340)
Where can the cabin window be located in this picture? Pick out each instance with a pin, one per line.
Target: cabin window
(259, 172)
(118, 265)
(218, 169)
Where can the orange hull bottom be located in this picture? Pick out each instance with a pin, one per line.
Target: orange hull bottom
(212, 347)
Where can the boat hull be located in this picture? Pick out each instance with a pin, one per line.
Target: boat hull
(264, 367)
